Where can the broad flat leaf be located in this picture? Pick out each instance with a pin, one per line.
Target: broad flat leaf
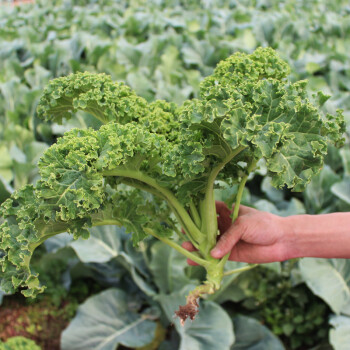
(345, 155)
(339, 336)
(342, 189)
(167, 267)
(106, 321)
(286, 208)
(229, 290)
(5, 164)
(211, 330)
(272, 193)
(1, 296)
(318, 193)
(330, 280)
(144, 283)
(103, 245)
(55, 243)
(5, 189)
(252, 335)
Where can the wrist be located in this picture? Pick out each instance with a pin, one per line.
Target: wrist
(295, 236)
(321, 236)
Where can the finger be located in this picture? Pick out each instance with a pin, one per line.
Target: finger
(188, 246)
(243, 209)
(222, 209)
(192, 263)
(227, 241)
(224, 216)
(257, 254)
(224, 223)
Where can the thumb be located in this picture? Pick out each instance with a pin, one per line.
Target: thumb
(227, 241)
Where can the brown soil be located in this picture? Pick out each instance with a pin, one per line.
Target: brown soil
(41, 322)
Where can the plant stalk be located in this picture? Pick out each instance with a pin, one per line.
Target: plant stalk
(241, 189)
(207, 207)
(169, 196)
(181, 250)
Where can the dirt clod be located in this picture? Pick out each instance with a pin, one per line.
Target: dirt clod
(190, 310)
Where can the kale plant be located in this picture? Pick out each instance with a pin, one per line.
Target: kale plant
(152, 167)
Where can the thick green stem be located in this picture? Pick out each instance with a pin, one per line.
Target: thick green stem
(145, 187)
(195, 214)
(168, 195)
(181, 250)
(207, 206)
(241, 189)
(241, 269)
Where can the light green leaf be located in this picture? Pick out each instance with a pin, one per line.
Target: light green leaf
(168, 268)
(103, 245)
(318, 194)
(342, 189)
(211, 330)
(106, 321)
(330, 280)
(5, 164)
(252, 335)
(345, 155)
(272, 193)
(5, 189)
(339, 336)
(19, 343)
(55, 243)
(286, 208)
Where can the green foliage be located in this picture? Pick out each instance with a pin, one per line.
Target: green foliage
(82, 175)
(162, 49)
(329, 279)
(290, 311)
(251, 335)
(108, 320)
(339, 335)
(19, 343)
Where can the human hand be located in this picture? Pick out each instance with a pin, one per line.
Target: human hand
(254, 237)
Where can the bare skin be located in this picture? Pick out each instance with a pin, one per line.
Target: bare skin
(261, 237)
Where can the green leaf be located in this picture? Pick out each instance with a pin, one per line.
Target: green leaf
(106, 321)
(168, 268)
(229, 291)
(318, 194)
(93, 93)
(19, 343)
(339, 336)
(5, 190)
(212, 329)
(1, 296)
(55, 243)
(103, 245)
(5, 164)
(345, 155)
(272, 193)
(285, 208)
(252, 335)
(330, 280)
(342, 189)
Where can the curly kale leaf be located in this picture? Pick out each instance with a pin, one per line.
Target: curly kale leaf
(249, 103)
